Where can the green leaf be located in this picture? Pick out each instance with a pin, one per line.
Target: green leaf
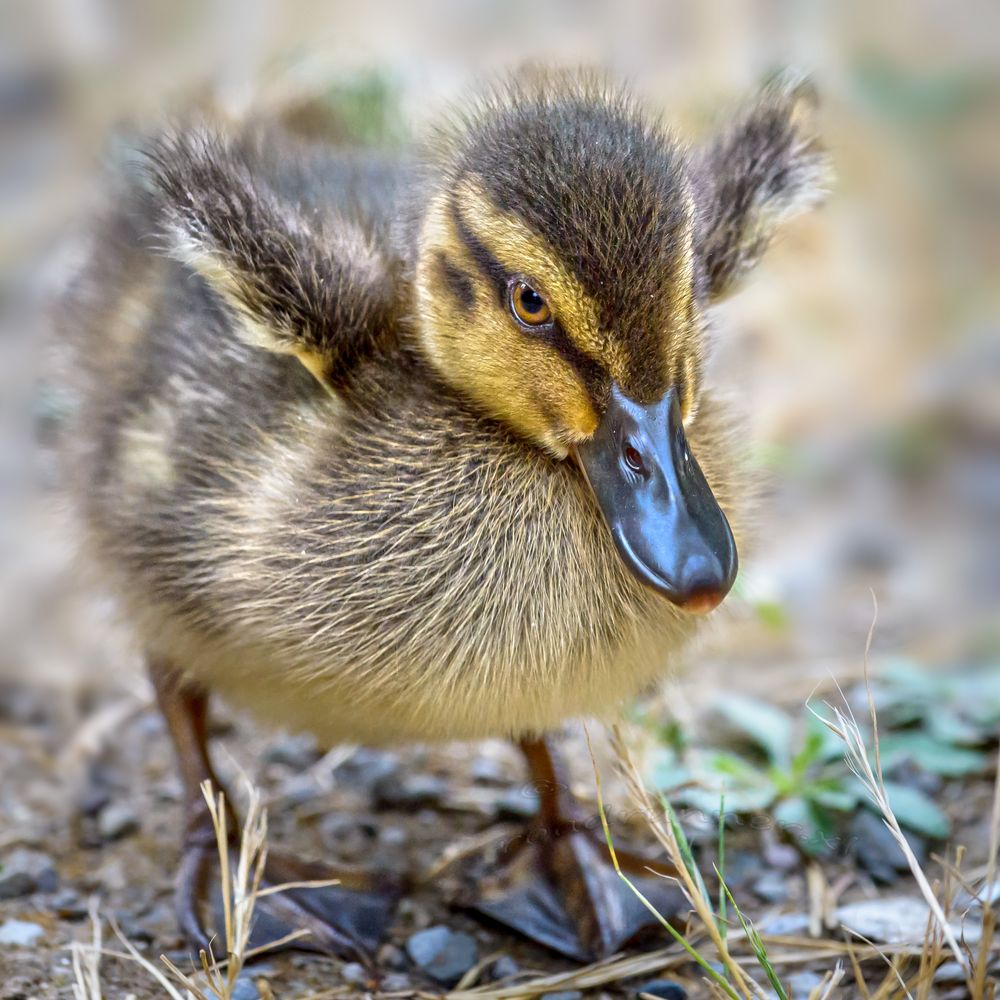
(745, 800)
(808, 824)
(757, 945)
(730, 767)
(831, 747)
(768, 727)
(686, 853)
(832, 793)
(931, 754)
(666, 771)
(948, 727)
(916, 811)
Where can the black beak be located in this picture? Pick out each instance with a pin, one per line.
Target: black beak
(664, 519)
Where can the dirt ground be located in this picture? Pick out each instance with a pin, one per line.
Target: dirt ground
(865, 355)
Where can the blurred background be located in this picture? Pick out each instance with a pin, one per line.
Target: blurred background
(864, 352)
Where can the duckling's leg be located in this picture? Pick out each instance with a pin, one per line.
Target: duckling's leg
(557, 884)
(348, 919)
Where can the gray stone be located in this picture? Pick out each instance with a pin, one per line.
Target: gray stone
(487, 770)
(295, 751)
(116, 820)
(520, 802)
(69, 906)
(366, 767)
(348, 837)
(391, 957)
(665, 988)
(786, 923)
(772, 887)
(245, 989)
(949, 972)
(395, 982)
(896, 920)
(563, 995)
(504, 967)
(354, 973)
(801, 985)
(876, 848)
(24, 871)
(410, 792)
(20, 933)
(443, 954)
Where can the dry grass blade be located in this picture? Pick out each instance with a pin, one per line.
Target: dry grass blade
(830, 982)
(690, 881)
(87, 961)
(991, 865)
(172, 991)
(846, 728)
(693, 889)
(588, 977)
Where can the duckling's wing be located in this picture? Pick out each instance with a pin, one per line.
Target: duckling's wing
(301, 277)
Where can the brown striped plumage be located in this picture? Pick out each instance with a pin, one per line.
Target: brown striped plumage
(383, 542)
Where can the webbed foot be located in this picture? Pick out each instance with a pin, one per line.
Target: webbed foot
(557, 884)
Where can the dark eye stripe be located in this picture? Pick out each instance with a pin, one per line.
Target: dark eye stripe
(592, 374)
(491, 268)
(457, 282)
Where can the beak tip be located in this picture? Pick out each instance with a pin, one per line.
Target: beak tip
(702, 602)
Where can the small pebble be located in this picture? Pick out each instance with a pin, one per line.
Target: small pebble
(298, 789)
(20, 933)
(23, 872)
(516, 803)
(772, 887)
(245, 989)
(346, 836)
(949, 972)
(354, 973)
(365, 768)
(443, 954)
(293, 751)
(563, 995)
(391, 957)
(395, 982)
(504, 967)
(786, 923)
(801, 985)
(876, 848)
(781, 856)
(411, 792)
(487, 770)
(665, 988)
(69, 906)
(92, 800)
(117, 820)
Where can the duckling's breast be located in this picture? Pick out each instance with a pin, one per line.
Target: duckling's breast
(390, 566)
(379, 565)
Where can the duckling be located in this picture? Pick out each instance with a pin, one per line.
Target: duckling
(410, 450)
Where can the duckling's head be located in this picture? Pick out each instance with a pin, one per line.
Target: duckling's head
(564, 267)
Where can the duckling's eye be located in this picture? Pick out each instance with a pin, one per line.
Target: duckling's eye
(528, 307)
(633, 459)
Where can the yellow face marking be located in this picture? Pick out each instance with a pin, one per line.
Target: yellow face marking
(486, 355)
(520, 250)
